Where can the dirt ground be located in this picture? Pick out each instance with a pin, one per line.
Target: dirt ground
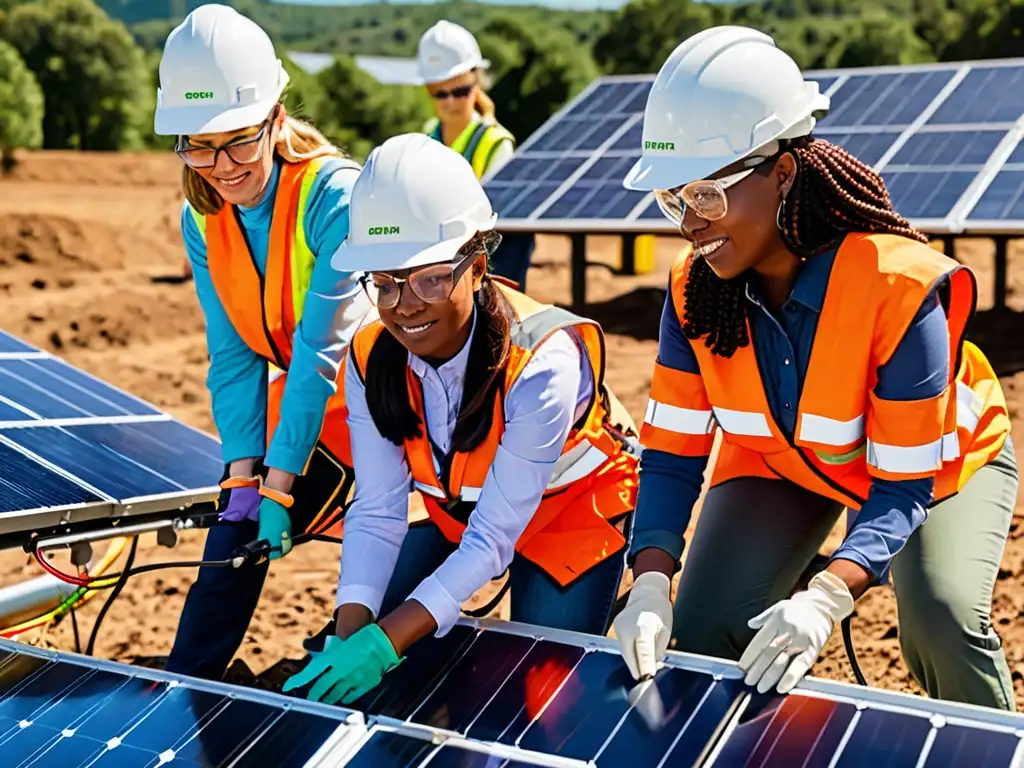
(92, 269)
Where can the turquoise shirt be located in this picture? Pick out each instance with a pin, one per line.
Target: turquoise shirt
(335, 305)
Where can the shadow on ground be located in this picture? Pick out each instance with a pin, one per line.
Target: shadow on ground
(636, 314)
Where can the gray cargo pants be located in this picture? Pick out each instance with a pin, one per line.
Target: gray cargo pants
(755, 537)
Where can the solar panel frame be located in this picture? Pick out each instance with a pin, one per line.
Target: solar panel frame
(722, 669)
(352, 725)
(17, 417)
(356, 729)
(645, 218)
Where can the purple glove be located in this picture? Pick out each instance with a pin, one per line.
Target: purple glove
(243, 504)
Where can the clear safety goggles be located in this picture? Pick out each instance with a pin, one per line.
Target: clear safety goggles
(243, 152)
(434, 283)
(706, 197)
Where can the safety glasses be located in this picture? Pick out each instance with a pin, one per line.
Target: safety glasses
(434, 283)
(707, 197)
(248, 150)
(456, 93)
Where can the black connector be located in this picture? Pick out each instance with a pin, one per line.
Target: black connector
(254, 552)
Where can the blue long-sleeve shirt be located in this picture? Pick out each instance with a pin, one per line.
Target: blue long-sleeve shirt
(919, 369)
(334, 306)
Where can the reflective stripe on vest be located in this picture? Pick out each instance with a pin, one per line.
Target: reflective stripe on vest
(476, 143)
(838, 445)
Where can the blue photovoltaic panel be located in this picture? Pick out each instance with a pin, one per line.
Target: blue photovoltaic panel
(919, 194)
(935, 132)
(48, 388)
(25, 484)
(126, 461)
(1002, 202)
(10, 344)
(1003, 199)
(986, 95)
(71, 711)
(879, 100)
(70, 441)
(867, 147)
(504, 696)
(607, 117)
(948, 148)
(931, 171)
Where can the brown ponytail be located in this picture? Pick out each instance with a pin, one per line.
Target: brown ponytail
(483, 103)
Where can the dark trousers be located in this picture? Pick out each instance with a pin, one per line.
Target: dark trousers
(583, 606)
(221, 602)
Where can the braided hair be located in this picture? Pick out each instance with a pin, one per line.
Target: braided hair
(834, 194)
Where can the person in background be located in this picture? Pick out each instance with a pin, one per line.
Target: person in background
(455, 74)
(266, 205)
(493, 406)
(818, 331)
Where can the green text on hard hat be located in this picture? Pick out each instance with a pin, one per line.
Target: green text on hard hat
(382, 231)
(659, 145)
(191, 95)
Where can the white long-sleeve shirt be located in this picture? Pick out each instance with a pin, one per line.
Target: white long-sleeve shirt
(550, 395)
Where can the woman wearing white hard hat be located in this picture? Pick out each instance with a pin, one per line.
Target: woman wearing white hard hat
(815, 328)
(455, 74)
(266, 204)
(493, 406)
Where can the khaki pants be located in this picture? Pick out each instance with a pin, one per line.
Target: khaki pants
(755, 537)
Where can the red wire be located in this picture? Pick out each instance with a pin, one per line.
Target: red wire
(78, 581)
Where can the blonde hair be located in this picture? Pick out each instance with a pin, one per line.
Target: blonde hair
(483, 103)
(296, 142)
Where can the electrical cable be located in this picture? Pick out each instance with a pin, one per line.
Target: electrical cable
(74, 626)
(851, 653)
(78, 598)
(122, 580)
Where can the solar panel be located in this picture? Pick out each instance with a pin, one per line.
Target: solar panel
(65, 710)
(488, 694)
(938, 133)
(74, 448)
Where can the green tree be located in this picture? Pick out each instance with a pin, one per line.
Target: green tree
(535, 72)
(93, 76)
(359, 113)
(877, 38)
(304, 95)
(21, 106)
(645, 32)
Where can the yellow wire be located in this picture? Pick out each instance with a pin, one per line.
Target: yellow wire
(113, 552)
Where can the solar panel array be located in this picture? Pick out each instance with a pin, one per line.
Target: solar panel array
(945, 138)
(73, 448)
(488, 694)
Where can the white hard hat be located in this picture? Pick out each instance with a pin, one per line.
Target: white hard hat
(447, 50)
(416, 202)
(219, 72)
(722, 93)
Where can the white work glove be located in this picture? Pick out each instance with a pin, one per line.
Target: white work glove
(644, 626)
(792, 633)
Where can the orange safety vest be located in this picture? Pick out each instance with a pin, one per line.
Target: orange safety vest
(265, 310)
(594, 480)
(845, 434)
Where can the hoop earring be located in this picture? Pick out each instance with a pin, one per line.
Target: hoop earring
(778, 214)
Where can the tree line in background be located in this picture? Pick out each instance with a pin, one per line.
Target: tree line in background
(75, 74)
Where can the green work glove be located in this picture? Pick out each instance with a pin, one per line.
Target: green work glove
(275, 527)
(347, 669)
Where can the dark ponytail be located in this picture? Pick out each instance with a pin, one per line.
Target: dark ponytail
(387, 395)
